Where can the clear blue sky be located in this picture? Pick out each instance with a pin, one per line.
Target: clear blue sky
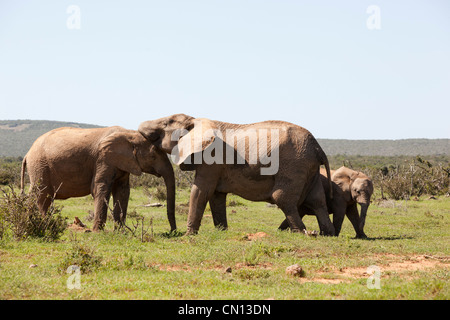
(313, 63)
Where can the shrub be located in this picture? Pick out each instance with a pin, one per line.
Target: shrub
(10, 171)
(414, 178)
(83, 256)
(402, 177)
(20, 216)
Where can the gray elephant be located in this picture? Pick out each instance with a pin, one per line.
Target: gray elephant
(349, 188)
(229, 158)
(357, 188)
(73, 162)
(337, 205)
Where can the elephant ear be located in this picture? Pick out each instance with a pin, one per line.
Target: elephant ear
(118, 150)
(354, 176)
(201, 136)
(343, 180)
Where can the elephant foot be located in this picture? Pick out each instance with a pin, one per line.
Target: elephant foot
(299, 231)
(361, 236)
(98, 226)
(191, 232)
(284, 225)
(313, 233)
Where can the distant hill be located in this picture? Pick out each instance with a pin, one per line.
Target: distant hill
(404, 147)
(17, 136)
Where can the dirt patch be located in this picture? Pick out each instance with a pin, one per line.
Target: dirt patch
(266, 265)
(400, 268)
(400, 265)
(407, 264)
(237, 266)
(78, 226)
(255, 236)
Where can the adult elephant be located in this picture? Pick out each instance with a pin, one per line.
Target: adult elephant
(349, 188)
(273, 161)
(73, 162)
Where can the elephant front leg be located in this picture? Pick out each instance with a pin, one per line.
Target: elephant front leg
(353, 216)
(218, 209)
(202, 190)
(101, 193)
(121, 195)
(197, 205)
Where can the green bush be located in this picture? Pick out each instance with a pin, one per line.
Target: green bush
(402, 177)
(10, 171)
(20, 217)
(83, 256)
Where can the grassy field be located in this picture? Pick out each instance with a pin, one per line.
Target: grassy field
(408, 242)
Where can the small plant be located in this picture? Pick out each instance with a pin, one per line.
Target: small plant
(251, 274)
(20, 216)
(253, 255)
(234, 203)
(82, 256)
(182, 208)
(160, 193)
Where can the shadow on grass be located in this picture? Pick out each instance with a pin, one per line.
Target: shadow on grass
(387, 238)
(171, 234)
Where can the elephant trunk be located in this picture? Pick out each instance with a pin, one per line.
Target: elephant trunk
(169, 180)
(22, 175)
(362, 219)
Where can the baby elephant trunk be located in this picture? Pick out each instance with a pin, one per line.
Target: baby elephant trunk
(362, 218)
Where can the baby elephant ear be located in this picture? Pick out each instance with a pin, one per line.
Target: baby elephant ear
(354, 176)
(118, 150)
(200, 137)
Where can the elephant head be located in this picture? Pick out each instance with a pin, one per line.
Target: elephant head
(163, 132)
(357, 188)
(181, 136)
(129, 151)
(361, 189)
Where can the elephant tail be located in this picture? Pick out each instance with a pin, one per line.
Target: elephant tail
(22, 175)
(324, 160)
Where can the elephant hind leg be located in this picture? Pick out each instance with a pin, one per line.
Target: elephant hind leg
(44, 198)
(316, 202)
(219, 210)
(44, 201)
(287, 202)
(285, 224)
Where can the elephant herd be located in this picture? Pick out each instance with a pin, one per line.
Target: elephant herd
(273, 161)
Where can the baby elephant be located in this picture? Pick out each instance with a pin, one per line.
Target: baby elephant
(349, 189)
(73, 162)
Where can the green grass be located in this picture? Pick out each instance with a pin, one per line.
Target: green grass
(408, 241)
